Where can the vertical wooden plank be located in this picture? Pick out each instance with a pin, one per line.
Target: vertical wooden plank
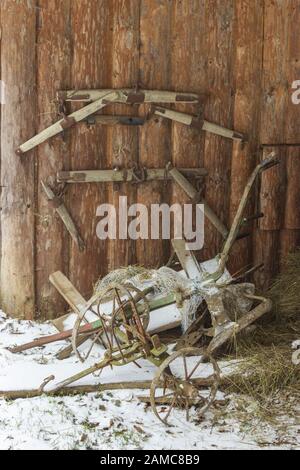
(292, 114)
(267, 251)
(91, 68)
(18, 71)
(272, 193)
(292, 202)
(275, 87)
(219, 19)
(247, 77)
(289, 243)
(122, 143)
(274, 102)
(155, 136)
(189, 62)
(53, 73)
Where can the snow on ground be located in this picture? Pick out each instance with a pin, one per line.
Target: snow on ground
(113, 420)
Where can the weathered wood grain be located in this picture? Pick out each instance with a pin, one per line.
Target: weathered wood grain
(272, 193)
(91, 22)
(219, 75)
(248, 48)
(122, 143)
(53, 47)
(292, 200)
(189, 63)
(18, 121)
(155, 137)
(275, 88)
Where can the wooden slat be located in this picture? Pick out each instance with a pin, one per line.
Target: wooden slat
(155, 137)
(53, 47)
(18, 115)
(122, 143)
(68, 291)
(92, 37)
(187, 259)
(248, 43)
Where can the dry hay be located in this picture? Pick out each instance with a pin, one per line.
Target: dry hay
(267, 373)
(285, 291)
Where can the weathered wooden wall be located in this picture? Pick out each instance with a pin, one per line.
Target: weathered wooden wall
(244, 54)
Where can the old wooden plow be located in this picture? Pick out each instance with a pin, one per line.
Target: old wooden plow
(127, 317)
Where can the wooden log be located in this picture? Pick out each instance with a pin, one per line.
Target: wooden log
(198, 123)
(135, 96)
(53, 51)
(122, 143)
(120, 176)
(248, 44)
(92, 39)
(18, 121)
(155, 136)
(63, 213)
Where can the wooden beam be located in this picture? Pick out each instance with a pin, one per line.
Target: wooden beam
(198, 123)
(102, 176)
(18, 122)
(133, 96)
(67, 122)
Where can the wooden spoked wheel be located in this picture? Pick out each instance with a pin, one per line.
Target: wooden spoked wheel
(175, 384)
(118, 306)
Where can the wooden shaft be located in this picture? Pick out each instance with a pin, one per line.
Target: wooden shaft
(140, 96)
(67, 122)
(181, 180)
(193, 194)
(65, 216)
(88, 328)
(102, 176)
(235, 228)
(192, 121)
